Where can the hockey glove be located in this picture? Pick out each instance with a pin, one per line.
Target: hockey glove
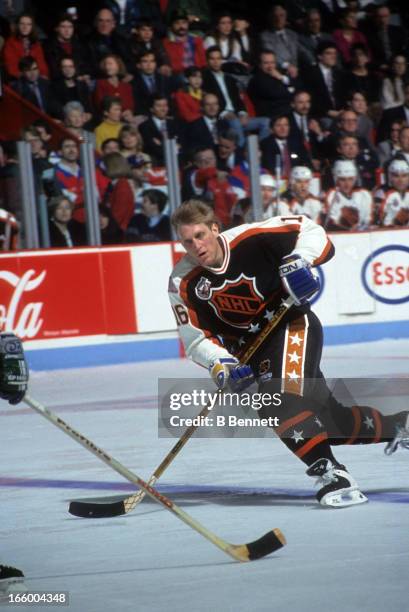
(13, 369)
(297, 278)
(229, 372)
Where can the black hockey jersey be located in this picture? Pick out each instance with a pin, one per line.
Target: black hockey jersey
(219, 309)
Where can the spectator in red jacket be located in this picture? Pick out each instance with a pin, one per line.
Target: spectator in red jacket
(113, 84)
(182, 48)
(188, 100)
(24, 42)
(120, 196)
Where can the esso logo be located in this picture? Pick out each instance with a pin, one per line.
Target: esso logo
(385, 274)
(321, 289)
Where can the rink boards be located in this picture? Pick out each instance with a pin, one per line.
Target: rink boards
(90, 306)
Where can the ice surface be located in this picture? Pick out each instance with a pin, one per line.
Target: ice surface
(352, 560)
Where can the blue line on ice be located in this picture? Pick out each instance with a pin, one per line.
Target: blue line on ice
(400, 496)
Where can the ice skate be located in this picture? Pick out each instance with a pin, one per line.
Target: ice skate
(339, 489)
(401, 438)
(11, 581)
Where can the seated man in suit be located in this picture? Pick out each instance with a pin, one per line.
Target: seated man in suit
(204, 132)
(148, 82)
(324, 81)
(232, 107)
(34, 88)
(280, 151)
(269, 89)
(282, 42)
(306, 129)
(312, 37)
(153, 129)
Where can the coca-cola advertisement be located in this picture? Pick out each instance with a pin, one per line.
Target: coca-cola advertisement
(49, 295)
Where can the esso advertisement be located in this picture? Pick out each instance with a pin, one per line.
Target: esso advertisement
(385, 274)
(68, 295)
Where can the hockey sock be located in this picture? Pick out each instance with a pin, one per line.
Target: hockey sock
(360, 424)
(305, 435)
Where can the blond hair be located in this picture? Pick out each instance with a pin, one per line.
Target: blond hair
(192, 212)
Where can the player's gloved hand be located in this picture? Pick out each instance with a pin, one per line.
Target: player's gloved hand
(297, 278)
(13, 369)
(229, 372)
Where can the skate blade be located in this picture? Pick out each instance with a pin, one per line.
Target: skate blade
(343, 499)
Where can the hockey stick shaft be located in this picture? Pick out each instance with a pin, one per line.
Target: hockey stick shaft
(103, 510)
(241, 552)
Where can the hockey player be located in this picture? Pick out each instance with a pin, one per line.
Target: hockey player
(223, 292)
(299, 197)
(348, 207)
(13, 385)
(272, 205)
(394, 209)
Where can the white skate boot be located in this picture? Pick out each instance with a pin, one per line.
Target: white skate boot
(339, 489)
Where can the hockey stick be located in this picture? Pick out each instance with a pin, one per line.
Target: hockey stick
(268, 543)
(103, 508)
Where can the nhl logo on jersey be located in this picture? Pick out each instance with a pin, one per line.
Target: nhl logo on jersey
(237, 301)
(203, 288)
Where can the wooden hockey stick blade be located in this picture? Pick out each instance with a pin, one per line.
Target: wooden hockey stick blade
(268, 543)
(240, 552)
(101, 509)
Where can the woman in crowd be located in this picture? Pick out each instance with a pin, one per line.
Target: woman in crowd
(224, 37)
(120, 195)
(24, 42)
(388, 148)
(131, 145)
(359, 104)
(188, 99)
(360, 77)
(348, 35)
(113, 83)
(393, 85)
(64, 230)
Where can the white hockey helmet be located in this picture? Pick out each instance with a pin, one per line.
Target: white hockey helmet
(343, 168)
(398, 166)
(266, 180)
(301, 173)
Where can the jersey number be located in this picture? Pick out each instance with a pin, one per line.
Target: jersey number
(299, 219)
(181, 315)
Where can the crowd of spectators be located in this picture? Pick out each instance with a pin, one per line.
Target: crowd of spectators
(325, 88)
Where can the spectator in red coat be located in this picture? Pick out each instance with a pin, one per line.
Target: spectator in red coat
(24, 42)
(120, 196)
(113, 84)
(182, 48)
(188, 100)
(348, 35)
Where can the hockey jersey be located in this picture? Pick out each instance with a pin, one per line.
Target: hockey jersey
(311, 207)
(349, 212)
(394, 208)
(219, 309)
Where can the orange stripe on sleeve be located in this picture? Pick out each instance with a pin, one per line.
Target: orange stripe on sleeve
(324, 253)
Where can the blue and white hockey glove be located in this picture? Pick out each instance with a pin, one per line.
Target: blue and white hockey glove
(229, 372)
(297, 278)
(13, 369)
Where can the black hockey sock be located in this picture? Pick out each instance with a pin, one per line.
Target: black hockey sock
(305, 435)
(360, 424)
